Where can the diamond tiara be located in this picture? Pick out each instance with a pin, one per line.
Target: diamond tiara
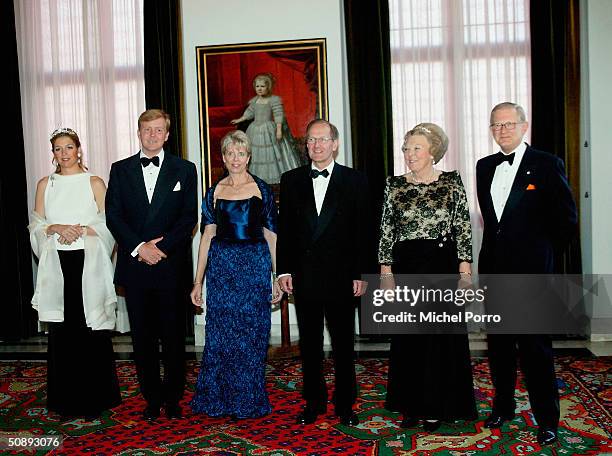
(425, 129)
(59, 131)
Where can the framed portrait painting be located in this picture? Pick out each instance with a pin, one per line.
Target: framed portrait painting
(269, 90)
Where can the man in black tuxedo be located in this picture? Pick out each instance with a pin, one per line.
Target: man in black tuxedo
(529, 213)
(322, 250)
(151, 210)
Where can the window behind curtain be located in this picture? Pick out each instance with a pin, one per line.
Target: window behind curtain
(452, 61)
(81, 66)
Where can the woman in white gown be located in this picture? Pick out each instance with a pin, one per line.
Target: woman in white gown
(74, 291)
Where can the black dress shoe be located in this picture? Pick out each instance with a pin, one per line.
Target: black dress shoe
(174, 412)
(495, 420)
(309, 415)
(150, 413)
(409, 421)
(431, 426)
(546, 436)
(349, 419)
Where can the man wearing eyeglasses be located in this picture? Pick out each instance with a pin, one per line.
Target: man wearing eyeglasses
(528, 213)
(322, 250)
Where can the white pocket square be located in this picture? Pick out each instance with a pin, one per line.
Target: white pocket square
(177, 187)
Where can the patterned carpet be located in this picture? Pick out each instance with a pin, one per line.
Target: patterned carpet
(586, 405)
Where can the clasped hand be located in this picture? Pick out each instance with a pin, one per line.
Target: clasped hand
(149, 253)
(68, 233)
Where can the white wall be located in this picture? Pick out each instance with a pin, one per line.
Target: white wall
(213, 22)
(208, 22)
(598, 132)
(596, 157)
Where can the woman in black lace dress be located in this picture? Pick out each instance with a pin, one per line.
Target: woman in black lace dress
(426, 229)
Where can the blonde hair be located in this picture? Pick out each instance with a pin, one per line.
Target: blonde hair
(154, 114)
(236, 138)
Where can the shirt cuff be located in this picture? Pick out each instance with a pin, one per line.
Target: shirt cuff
(282, 275)
(135, 251)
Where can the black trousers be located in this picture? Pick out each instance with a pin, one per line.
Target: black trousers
(158, 315)
(535, 354)
(339, 312)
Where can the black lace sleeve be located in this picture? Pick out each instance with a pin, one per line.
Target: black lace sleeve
(387, 228)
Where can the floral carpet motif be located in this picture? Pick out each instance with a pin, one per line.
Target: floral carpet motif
(585, 386)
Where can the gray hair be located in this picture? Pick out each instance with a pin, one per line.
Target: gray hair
(237, 138)
(509, 105)
(435, 136)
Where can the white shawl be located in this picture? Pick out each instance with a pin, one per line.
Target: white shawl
(99, 298)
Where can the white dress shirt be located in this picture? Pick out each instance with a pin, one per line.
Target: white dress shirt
(320, 184)
(150, 174)
(504, 178)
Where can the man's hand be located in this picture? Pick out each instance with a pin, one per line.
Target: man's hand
(149, 253)
(359, 287)
(286, 283)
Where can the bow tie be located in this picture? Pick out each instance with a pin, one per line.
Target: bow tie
(144, 161)
(316, 173)
(505, 157)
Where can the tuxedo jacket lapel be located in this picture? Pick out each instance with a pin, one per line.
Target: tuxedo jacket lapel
(166, 180)
(486, 206)
(305, 194)
(521, 180)
(330, 203)
(138, 184)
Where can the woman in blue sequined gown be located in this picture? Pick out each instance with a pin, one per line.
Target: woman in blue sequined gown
(237, 258)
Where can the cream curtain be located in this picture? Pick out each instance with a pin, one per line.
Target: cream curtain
(80, 66)
(452, 61)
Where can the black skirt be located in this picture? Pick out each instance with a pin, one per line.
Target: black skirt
(81, 376)
(430, 375)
